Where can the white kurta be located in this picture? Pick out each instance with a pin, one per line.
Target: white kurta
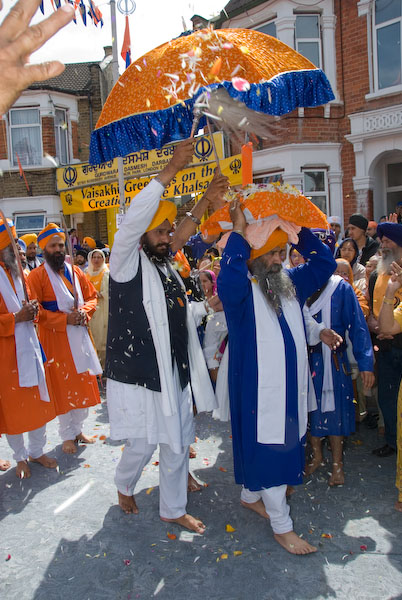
(134, 411)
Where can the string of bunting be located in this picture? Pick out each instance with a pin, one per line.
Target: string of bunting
(90, 9)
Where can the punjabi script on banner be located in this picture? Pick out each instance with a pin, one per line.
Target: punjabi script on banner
(135, 165)
(189, 181)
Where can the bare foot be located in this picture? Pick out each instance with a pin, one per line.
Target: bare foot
(45, 461)
(257, 507)
(337, 475)
(398, 506)
(193, 485)
(188, 522)
(23, 471)
(127, 504)
(312, 466)
(84, 439)
(192, 452)
(293, 544)
(290, 490)
(4, 465)
(69, 447)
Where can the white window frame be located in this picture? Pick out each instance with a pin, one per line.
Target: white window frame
(60, 131)
(20, 231)
(12, 157)
(374, 29)
(388, 188)
(318, 193)
(258, 178)
(258, 27)
(319, 39)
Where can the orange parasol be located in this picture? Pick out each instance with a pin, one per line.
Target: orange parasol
(152, 103)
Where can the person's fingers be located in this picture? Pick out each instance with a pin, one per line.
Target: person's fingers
(17, 20)
(34, 37)
(42, 71)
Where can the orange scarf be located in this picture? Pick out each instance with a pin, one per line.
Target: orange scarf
(96, 280)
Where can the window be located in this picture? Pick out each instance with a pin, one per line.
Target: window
(29, 223)
(61, 132)
(308, 40)
(269, 178)
(315, 188)
(387, 17)
(394, 186)
(25, 133)
(269, 28)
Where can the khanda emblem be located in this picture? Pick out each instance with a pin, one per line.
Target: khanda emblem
(70, 176)
(69, 199)
(235, 166)
(203, 149)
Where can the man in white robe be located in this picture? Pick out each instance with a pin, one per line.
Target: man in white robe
(154, 362)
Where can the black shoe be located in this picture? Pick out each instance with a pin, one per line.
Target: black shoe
(371, 421)
(384, 451)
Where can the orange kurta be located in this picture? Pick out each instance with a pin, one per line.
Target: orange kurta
(21, 409)
(69, 389)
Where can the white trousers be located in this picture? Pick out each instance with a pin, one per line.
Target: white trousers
(70, 424)
(36, 443)
(278, 510)
(173, 474)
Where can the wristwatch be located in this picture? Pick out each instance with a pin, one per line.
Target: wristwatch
(196, 220)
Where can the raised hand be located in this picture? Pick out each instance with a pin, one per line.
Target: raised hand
(237, 216)
(18, 41)
(216, 191)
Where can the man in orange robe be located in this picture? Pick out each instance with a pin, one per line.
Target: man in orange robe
(25, 405)
(63, 333)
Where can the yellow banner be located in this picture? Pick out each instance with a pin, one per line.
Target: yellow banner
(139, 163)
(188, 181)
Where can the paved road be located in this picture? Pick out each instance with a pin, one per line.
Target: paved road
(68, 540)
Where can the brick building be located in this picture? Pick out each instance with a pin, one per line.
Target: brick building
(346, 155)
(48, 126)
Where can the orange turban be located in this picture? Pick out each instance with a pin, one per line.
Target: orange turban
(29, 238)
(166, 210)
(4, 237)
(90, 242)
(46, 234)
(277, 238)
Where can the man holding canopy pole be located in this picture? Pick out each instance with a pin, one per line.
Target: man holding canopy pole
(154, 361)
(25, 405)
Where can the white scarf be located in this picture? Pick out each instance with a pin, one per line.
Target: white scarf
(271, 361)
(29, 356)
(82, 349)
(323, 304)
(154, 301)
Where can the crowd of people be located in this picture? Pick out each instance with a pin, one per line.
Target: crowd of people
(176, 325)
(283, 339)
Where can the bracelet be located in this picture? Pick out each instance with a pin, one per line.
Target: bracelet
(159, 181)
(240, 232)
(388, 301)
(195, 219)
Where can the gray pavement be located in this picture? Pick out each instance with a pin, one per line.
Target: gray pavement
(67, 538)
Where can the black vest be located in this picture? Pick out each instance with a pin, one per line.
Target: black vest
(177, 315)
(130, 350)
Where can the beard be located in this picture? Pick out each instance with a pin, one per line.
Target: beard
(10, 261)
(388, 256)
(55, 260)
(274, 283)
(155, 252)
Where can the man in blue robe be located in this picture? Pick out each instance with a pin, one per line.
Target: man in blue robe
(268, 367)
